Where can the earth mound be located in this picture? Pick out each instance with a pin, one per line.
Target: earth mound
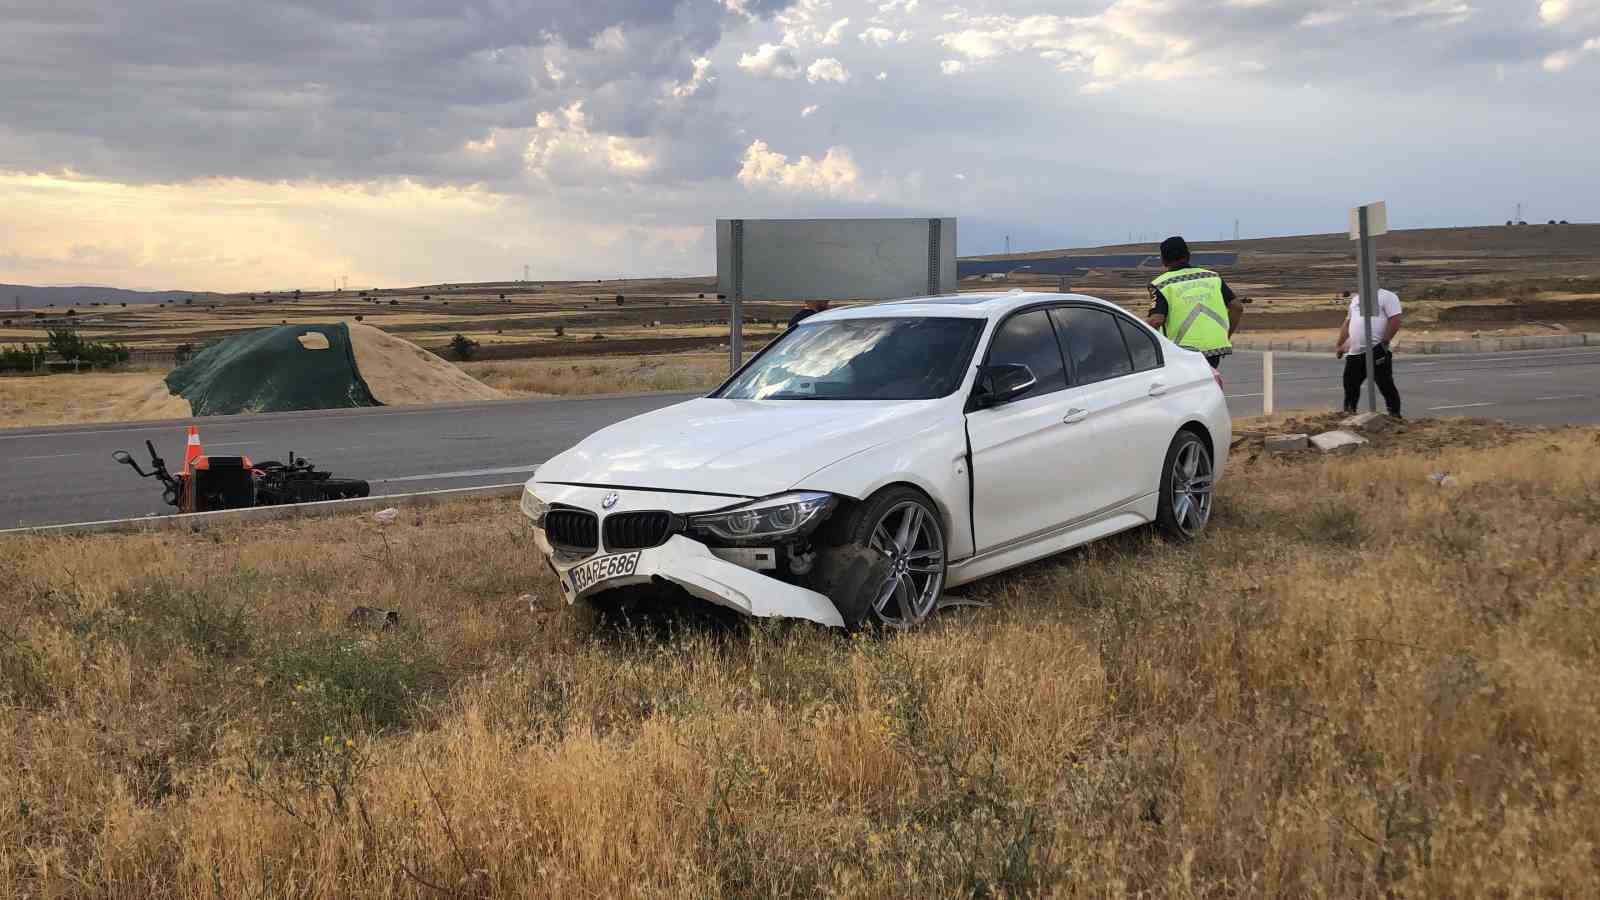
(300, 367)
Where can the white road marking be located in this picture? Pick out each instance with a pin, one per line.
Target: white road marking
(1563, 397)
(1458, 406)
(1444, 380)
(1240, 396)
(52, 456)
(1536, 372)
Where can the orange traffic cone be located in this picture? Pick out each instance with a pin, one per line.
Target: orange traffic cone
(192, 451)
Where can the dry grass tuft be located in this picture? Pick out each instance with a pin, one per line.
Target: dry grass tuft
(602, 375)
(1360, 684)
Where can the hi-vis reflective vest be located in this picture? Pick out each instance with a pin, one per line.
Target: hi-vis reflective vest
(1197, 316)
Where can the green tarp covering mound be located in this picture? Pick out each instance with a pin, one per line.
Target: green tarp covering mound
(278, 369)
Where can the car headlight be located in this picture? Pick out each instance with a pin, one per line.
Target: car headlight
(788, 515)
(533, 507)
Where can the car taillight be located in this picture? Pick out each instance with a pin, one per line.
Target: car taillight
(1218, 376)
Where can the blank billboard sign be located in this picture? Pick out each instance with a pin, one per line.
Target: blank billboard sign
(835, 259)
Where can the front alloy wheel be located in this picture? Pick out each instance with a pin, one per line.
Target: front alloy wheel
(882, 560)
(908, 536)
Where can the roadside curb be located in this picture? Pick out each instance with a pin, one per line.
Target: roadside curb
(1466, 345)
(322, 509)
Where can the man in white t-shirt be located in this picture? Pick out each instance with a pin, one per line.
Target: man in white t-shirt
(1353, 341)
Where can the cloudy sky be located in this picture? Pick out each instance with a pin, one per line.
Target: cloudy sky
(211, 144)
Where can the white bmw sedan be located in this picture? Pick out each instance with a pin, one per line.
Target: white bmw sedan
(873, 457)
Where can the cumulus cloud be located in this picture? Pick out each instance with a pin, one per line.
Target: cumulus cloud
(834, 175)
(181, 89)
(809, 111)
(952, 67)
(880, 37)
(827, 69)
(771, 61)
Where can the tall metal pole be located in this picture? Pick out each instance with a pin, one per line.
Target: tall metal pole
(1369, 298)
(735, 301)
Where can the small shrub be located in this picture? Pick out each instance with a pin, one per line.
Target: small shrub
(598, 337)
(182, 353)
(619, 299)
(393, 302)
(1335, 523)
(188, 301)
(24, 680)
(360, 317)
(463, 347)
(561, 331)
(1396, 260)
(339, 686)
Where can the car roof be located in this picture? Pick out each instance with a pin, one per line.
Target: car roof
(984, 305)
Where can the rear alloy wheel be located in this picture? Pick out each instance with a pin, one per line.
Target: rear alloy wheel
(1187, 479)
(884, 562)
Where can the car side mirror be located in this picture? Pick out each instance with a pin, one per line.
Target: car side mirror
(122, 456)
(1004, 383)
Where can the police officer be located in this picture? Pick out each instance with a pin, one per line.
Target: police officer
(1194, 308)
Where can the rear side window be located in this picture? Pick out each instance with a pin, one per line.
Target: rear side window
(1028, 339)
(1141, 346)
(1092, 340)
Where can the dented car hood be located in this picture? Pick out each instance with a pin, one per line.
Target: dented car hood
(738, 448)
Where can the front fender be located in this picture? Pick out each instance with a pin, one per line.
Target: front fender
(933, 460)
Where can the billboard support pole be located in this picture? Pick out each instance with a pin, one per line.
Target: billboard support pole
(735, 301)
(1369, 298)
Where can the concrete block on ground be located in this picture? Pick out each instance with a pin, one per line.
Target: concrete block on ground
(1284, 443)
(1329, 441)
(1370, 422)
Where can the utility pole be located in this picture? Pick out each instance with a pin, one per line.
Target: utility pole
(524, 273)
(1008, 245)
(1518, 219)
(1236, 229)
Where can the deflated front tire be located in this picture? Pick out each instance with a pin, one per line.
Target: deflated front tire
(882, 561)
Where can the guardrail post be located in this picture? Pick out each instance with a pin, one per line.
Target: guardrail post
(1266, 383)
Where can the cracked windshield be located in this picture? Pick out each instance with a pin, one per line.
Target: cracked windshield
(862, 359)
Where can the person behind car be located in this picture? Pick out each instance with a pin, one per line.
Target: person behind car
(1194, 308)
(811, 308)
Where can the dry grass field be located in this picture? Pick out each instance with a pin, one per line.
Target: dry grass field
(602, 375)
(1359, 684)
(87, 397)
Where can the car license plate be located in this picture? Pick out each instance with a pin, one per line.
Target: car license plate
(605, 568)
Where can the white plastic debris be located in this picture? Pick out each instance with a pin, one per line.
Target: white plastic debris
(1443, 479)
(533, 603)
(385, 516)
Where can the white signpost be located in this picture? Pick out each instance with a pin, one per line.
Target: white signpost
(1366, 223)
(833, 259)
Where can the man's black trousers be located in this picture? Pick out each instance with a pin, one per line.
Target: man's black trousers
(1355, 374)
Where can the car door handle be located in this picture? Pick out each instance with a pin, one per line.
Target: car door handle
(1075, 415)
(1157, 388)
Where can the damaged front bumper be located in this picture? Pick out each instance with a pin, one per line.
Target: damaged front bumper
(679, 560)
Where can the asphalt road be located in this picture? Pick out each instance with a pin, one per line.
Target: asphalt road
(66, 474)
